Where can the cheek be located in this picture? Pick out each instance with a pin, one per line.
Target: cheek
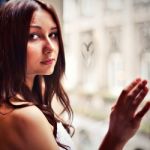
(33, 54)
(57, 52)
(30, 60)
(30, 55)
(57, 49)
(33, 50)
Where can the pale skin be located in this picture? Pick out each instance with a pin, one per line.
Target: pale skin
(27, 128)
(42, 47)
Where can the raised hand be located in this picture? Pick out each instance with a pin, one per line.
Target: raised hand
(125, 119)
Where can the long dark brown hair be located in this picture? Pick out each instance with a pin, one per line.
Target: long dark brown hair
(15, 18)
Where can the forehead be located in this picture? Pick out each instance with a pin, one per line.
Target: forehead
(42, 18)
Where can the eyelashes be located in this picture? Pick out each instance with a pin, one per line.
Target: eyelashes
(36, 36)
(33, 36)
(54, 35)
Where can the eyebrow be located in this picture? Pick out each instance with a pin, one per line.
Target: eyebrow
(39, 27)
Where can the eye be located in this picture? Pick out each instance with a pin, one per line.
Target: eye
(53, 35)
(34, 36)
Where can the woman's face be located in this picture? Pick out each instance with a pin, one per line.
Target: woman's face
(43, 44)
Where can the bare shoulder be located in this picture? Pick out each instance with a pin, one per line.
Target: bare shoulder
(34, 129)
(29, 114)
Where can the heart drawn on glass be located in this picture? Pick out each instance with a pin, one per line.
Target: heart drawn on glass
(87, 52)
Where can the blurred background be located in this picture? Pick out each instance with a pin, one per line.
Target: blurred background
(107, 45)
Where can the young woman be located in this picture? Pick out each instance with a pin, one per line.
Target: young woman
(32, 64)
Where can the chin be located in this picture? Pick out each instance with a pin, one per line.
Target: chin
(50, 72)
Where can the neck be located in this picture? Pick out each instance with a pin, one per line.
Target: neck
(29, 81)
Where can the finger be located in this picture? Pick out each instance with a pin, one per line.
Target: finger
(133, 84)
(137, 89)
(127, 90)
(136, 102)
(144, 110)
(140, 97)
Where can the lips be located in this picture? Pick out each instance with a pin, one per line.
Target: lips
(48, 61)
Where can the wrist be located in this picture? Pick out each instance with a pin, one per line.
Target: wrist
(112, 142)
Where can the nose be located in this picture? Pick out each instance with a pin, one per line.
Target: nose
(48, 46)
